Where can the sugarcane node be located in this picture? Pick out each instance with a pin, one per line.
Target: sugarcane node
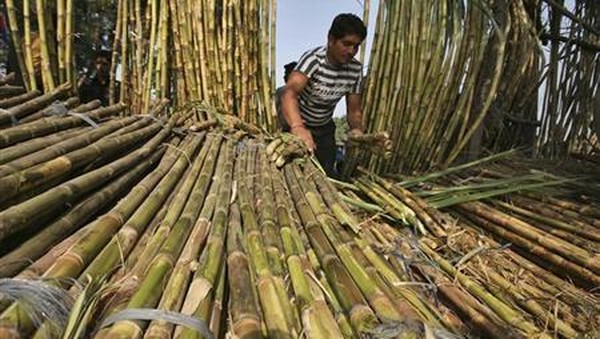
(363, 315)
(247, 326)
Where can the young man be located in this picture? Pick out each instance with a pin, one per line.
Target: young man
(321, 78)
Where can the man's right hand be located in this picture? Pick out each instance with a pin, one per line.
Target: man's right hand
(303, 133)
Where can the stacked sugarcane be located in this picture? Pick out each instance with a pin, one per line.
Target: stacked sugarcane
(520, 257)
(152, 229)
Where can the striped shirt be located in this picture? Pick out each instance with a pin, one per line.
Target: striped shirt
(327, 84)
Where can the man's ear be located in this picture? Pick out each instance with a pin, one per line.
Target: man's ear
(330, 39)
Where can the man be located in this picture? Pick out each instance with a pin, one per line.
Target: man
(321, 78)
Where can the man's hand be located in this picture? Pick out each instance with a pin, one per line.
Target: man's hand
(303, 133)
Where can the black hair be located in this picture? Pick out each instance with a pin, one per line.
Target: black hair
(347, 24)
(289, 67)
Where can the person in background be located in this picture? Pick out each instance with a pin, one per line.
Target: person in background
(94, 83)
(321, 78)
(288, 68)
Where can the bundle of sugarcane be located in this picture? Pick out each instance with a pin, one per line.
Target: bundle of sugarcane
(214, 229)
(488, 271)
(286, 147)
(15, 108)
(46, 53)
(377, 143)
(422, 81)
(357, 145)
(220, 52)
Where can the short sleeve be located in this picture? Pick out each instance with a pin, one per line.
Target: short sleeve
(358, 85)
(308, 63)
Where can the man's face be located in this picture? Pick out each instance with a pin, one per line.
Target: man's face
(341, 51)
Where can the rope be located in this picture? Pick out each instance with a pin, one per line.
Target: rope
(154, 314)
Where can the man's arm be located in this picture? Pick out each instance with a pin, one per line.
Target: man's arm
(354, 113)
(291, 111)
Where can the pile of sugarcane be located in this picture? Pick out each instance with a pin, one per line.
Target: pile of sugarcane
(151, 229)
(517, 258)
(180, 225)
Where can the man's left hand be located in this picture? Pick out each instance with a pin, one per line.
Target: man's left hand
(355, 132)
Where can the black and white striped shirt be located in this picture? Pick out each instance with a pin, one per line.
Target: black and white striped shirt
(327, 84)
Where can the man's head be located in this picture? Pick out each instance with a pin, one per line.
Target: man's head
(289, 67)
(346, 34)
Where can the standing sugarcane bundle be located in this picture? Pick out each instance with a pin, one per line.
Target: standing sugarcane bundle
(220, 52)
(426, 101)
(53, 43)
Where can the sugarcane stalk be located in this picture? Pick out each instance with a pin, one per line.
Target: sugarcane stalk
(339, 209)
(21, 110)
(10, 90)
(270, 235)
(480, 316)
(148, 294)
(99, 233)
(504, 311)
(16, 41)
(31, 146)
(505, 287)
(202, 291)
(69, 104)
(45, 65)
(348, 293)
(22, 215)
(244, 313)
(317, 319)
(34, 247)
(393, 206)
(272, 305)
(66, 146)
(19, 99)
(46, 126)
(23, 181)
(578, 255)
(176, 208)
(536, 249)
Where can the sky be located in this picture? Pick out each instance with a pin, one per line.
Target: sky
(302, 25)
